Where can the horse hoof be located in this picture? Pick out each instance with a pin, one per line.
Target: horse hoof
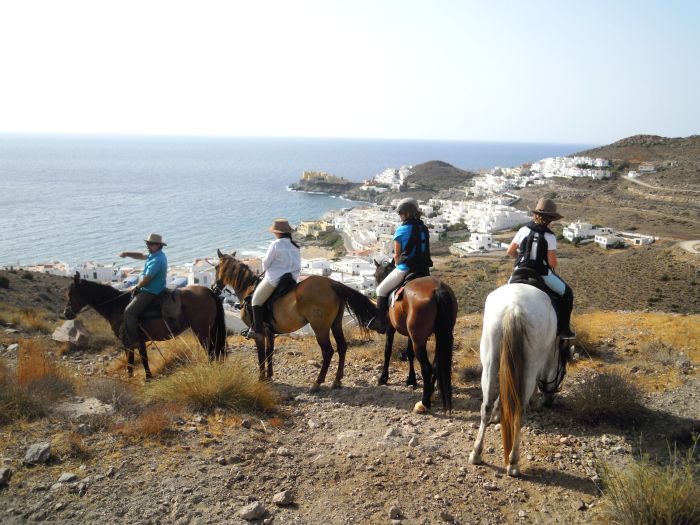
(474, 459)
(413, 384)
(382, 381)
(336, 384)
(420, 408)
(315, 388)
(513, 471)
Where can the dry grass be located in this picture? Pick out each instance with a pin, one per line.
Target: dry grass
(165, 357)
(39, 372)
(648, 494)
(101, 335)
(604, 397)
(120, 394)
(153, 422)
(205, 386)
(76, 446)
(29, 319)
(16, 402)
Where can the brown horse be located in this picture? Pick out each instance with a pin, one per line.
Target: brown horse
(201, 310)
(426, 306)
(318, 301)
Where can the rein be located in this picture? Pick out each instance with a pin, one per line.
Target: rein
(554, 386)
(88, 307)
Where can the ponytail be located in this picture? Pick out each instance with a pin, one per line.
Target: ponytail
(289, 236)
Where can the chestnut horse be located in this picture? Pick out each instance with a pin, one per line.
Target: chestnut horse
(426, 306)
(201, 310)
(519, 351)
(318, 301)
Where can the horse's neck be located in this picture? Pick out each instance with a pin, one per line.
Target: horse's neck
(111, 308)
(244, 283)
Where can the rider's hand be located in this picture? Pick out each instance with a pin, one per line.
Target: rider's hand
(134, 291)
(123, 254)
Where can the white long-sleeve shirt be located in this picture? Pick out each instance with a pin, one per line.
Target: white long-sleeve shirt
(281, 257)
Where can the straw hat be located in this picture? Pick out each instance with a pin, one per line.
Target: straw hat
(154, 238)
(280, 226)
(547, 208)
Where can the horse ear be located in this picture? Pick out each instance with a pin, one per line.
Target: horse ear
(233, 253)
(76, 277)
(218, 252)
(375, 262)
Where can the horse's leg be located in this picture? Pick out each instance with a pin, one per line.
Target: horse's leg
(426, 370)
(144, 359)
(269, 350)
(489, 390)
(411, 379)
(341, 345)
(324, 341)
(388, 344)
(130, 362)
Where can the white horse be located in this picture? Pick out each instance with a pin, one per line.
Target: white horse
(518, 353)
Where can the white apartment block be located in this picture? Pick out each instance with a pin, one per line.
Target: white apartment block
(394, 178)
(569, 167)
(92, 271)
(583, 230)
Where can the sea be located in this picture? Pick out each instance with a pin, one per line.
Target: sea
(76, 198)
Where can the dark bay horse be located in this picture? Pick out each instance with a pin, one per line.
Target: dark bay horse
(318, 301)
(426, 306)
(201, 310)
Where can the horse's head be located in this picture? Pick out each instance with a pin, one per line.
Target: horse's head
(226, 266)
(383, 269)
(551, 386)
(73, 301)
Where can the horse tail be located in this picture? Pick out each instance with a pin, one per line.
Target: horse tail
(444, 341)
(510, 377)
(217, 331)
(359, 305)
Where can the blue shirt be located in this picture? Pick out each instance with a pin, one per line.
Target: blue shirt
(157, 268)
(403, 234)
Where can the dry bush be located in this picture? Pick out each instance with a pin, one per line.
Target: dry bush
(174, 354)
(646, 493)
(40, 373)
(204, 386)
(76, 446)
(35, 320)
(101, 335)
(16, 402)
(604, 397)
(153, 422)
(120, 394)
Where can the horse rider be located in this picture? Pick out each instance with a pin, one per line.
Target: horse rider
(534, 246)
(149, 287)
(283, 256)
(411, 255)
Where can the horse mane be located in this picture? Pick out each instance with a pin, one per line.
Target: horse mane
(238, 274)
(97, 292)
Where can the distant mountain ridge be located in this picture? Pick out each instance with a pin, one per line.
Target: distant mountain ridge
(436, 175)
(648, 148)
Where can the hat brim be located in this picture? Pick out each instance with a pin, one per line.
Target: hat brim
(274, 230)
(554, 216)
(153, 242)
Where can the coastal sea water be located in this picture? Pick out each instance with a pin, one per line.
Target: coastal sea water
(80, 198)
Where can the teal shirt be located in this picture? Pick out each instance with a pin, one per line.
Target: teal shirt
(157, 268)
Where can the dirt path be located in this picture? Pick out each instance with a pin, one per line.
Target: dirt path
(647, 185)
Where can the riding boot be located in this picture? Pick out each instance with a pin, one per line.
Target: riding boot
(567, 305)
(379, 322)
(258, 324)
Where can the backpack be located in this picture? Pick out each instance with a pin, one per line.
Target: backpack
(533, 250)
(416, 253)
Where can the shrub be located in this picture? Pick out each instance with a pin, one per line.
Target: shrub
(646, 493)
(28, 276)
(608, 397)
(204, 386)
(4, 282)
(39, 373)
(35, 320)
(120, 394)
(153, 422)
(16, 402)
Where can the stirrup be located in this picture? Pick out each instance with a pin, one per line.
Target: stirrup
(567, 333)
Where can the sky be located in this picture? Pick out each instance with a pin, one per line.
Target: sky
(587, 72)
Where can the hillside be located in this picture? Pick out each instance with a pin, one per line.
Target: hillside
(375, 461)
(436, 175)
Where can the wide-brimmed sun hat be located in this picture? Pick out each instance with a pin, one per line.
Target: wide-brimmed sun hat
(547, 208)
(280, 226)
(154, 238)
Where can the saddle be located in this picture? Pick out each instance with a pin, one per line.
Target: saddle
(397, 294)
(533, 278)
(168, 306)
(285, 285)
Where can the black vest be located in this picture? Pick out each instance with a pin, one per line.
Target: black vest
(416, 252)
(535, 240)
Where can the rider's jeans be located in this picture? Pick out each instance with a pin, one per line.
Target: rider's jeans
(554, 283)
(131, 316)
(390, 282)
(263, 292)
